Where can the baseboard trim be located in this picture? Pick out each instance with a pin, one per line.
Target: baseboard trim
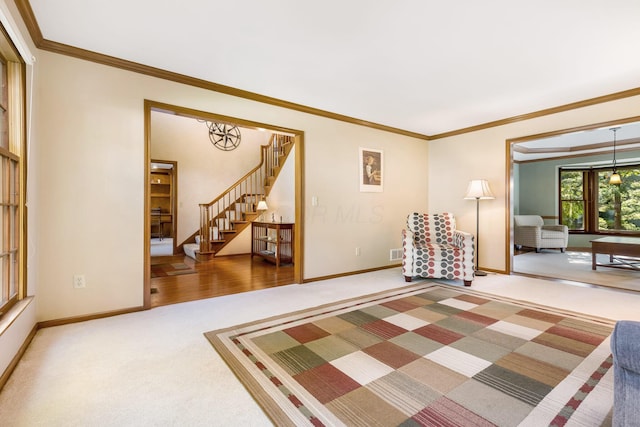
(16, 358)
(350, 273)
(84, 318)
(56, 322)
(368, 270)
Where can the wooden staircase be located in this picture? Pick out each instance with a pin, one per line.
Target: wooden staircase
(222, 219)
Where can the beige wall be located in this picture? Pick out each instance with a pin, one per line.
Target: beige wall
(86, 183)
(91, 165)
(90, 122)
(482, 154)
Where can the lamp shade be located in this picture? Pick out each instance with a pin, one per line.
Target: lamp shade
(615, 178)
(262, 206)
(479, 189)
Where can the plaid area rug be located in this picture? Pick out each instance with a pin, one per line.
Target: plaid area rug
(430, 355)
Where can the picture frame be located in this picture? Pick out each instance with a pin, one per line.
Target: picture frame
(371, 170)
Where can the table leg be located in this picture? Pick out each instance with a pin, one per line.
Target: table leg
(593, 259)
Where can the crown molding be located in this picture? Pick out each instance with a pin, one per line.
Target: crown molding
(24, 7)
(41, 43)
(544, 112)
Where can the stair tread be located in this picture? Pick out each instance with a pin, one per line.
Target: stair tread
(234, 215)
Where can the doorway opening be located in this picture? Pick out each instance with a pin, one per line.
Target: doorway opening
(163, 211)
(549, 179)
(206, 171)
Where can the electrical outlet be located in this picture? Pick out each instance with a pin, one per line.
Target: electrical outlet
(357, 251)
(79, 281)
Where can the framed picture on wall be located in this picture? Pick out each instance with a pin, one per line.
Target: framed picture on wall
(371, 176)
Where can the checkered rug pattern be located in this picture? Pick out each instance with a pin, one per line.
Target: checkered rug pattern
(428, 354)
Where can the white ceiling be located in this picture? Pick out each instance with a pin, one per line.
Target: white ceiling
(424, 66)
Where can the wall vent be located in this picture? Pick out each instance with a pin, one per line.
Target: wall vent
(395, 255)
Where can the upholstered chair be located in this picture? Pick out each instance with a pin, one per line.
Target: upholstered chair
(530, 231)
(625, 347)
(433, 248)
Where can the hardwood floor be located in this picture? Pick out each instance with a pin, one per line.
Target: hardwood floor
(220, 276)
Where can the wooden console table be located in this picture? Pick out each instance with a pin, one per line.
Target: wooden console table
(624, 252)
(272, 241)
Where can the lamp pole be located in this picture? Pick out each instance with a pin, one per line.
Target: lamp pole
(478, 189)
(478, 272)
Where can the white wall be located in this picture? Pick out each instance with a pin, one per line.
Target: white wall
(204, 171)
(281, 199)
(483, 154)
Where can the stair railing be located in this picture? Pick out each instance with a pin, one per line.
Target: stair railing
(239, 201)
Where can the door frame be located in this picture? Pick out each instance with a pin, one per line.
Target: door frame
(298, 136)
(510, 184)
(174, 198)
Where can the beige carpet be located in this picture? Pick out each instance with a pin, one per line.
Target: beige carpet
(576, 266)
(155, 368)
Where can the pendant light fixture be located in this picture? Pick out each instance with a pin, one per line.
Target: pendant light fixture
(615, 176)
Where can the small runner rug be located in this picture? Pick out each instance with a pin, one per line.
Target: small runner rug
(171, 269)
(430, 355)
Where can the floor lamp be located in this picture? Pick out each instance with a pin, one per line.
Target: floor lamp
(478, 189)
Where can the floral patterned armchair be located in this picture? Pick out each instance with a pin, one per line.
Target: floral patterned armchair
(433, 248)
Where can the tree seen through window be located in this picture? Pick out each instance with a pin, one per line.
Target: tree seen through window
(589, 203)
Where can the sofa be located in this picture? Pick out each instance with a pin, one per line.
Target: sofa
(433, 248)
(530, 231)
(625, 348)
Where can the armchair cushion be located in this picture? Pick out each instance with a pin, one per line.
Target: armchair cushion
(625, 347)
(432, 247)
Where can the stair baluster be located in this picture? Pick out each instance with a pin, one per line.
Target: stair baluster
(224, 217)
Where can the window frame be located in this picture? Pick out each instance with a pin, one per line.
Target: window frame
(13, 283)
(590, 194)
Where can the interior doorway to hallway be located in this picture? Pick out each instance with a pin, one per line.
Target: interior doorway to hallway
(164, 210)
(215, 277)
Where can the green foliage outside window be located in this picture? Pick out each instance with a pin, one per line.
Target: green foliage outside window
(619, 205)
(572, 196)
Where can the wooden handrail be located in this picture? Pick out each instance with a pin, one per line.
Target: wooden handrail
(241, 180)
(240, 199)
